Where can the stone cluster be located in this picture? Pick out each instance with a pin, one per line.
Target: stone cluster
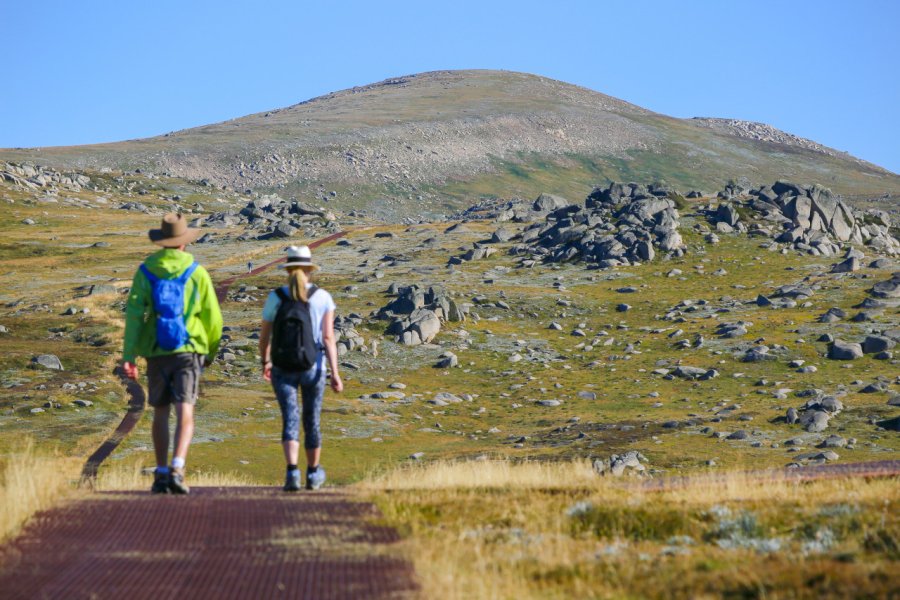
(416, 314)
(347, 337)
(808, 218)
(34, 177)
(621, 224)
(617, 465)
(815, 414)
(269, 217)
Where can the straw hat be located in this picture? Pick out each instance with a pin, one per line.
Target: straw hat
(173, 232)
(299, 256)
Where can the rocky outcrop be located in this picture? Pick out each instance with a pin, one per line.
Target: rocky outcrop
(807, 218)
(28, 176)
(346, 336)
(629, 463)
(270, 217)
(477, 252)
(815, 414)
(621, 224)
(416, 314)
(762, 133)
(522, 212)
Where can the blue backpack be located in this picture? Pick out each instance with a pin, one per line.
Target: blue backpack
(168, 302)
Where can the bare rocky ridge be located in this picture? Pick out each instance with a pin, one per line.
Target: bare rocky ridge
(764, 133)
(422, 145)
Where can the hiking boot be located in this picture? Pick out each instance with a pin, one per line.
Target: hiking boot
(160, 483)
(176, 482)
(315, 479)
(292, 481)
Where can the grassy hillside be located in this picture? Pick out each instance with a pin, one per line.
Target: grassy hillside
(435, 141)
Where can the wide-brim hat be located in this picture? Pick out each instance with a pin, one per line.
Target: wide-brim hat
(174, 231)
(299, 257)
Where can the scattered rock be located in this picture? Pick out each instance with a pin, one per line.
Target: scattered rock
(48, 361)
(847, 266)
(877, 343)
(447, 360)
(839, 350)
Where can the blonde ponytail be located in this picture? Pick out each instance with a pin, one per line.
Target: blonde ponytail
(297, 280)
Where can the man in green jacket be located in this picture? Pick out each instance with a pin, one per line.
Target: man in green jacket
(176, 343)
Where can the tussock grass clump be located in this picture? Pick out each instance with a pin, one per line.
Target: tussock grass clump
(484, 474)
(134, 477)
(31, 482)
(498, 529)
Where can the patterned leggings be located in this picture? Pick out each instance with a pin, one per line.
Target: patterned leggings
(312, 388)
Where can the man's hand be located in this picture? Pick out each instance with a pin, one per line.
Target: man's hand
(267, 371)
(130, 370)
(336, 384)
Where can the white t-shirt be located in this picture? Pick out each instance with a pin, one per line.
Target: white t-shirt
(319, 304)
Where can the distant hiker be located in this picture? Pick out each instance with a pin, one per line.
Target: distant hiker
(297, 335)
(173, 320)
(249, 267)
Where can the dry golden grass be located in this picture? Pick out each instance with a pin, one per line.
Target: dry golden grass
(485, 474)
(31, 482)
(578, 475)
(496, 529)
(131, 476)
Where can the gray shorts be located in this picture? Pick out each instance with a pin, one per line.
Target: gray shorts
(174, 378)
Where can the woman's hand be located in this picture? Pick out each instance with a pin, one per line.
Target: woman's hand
(336, 384)
(267, 371)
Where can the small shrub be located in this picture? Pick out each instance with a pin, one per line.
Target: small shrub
(639, 523)
(883, 541)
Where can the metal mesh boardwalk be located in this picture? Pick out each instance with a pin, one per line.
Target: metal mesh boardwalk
(216, 543)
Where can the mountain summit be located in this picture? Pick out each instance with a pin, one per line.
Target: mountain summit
(436, 141)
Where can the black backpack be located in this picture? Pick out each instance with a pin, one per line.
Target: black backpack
(293, 345)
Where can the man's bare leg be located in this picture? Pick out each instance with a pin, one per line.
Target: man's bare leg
(161, 435)
(184, 430)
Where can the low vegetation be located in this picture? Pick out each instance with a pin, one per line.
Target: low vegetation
(495, 529)
(30, 482)
(123, 476)
(484, 460)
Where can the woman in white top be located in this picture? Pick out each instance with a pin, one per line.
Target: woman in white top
(311, 382)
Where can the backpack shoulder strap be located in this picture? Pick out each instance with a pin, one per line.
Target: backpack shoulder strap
(187, 273)
(150, 276)
(312, 290)
(282, 294)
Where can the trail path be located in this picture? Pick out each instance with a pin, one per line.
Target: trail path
(136, 396)
(226, 543)
(221, 543)
(216, 543)
(225, 284)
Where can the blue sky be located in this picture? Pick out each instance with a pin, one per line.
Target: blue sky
(96, 71)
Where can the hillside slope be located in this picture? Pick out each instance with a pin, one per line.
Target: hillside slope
(433, 142)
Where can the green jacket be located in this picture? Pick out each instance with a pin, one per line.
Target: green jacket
(201, 308)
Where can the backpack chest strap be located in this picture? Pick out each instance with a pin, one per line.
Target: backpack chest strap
(180, 279)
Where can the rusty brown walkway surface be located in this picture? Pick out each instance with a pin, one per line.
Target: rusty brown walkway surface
(222, 543)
